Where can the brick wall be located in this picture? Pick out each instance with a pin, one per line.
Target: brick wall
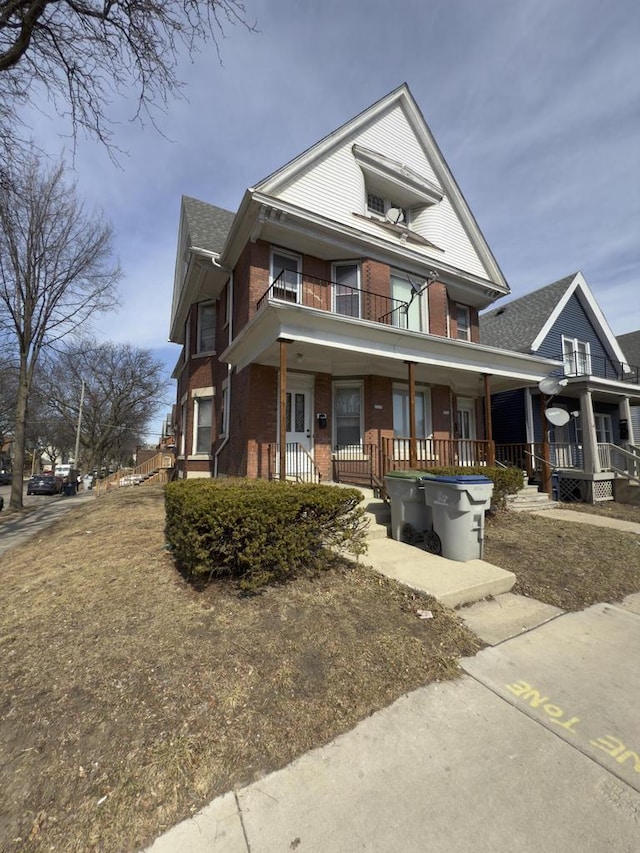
(438, 307)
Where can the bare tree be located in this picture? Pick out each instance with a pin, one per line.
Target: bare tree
(125, 387)
(55, 271)
(82, 52)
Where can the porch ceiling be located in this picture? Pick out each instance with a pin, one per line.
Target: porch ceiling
(602, 390)
(321, 342)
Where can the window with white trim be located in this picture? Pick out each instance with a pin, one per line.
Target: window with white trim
(347, 414)
(224, 411)
(285, 275)
(410, 290)
(604, 428)
(380, 206)
(401, 425)
(346, 290)
(206, 327)
(183, 428)
(202, 420)
(576, 355)
(463, 322)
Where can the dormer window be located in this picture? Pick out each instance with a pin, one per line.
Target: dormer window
(385, 207)
(390, 183)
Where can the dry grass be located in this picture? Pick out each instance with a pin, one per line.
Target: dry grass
(563, 563)
(128, 699)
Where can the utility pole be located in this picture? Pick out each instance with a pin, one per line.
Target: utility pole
(77, 451)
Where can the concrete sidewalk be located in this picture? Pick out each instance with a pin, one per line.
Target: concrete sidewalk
(19, 527)
(537, 746)
(533, 749)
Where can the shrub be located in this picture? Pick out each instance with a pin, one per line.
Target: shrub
(259, 531)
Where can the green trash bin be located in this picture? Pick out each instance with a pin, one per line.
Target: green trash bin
(410, 514)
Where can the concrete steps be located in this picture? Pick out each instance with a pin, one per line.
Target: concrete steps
(451, 582)
(530, 498)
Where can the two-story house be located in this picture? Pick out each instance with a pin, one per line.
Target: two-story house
(590, 429)
(329, 326)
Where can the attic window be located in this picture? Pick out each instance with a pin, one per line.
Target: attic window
(380, 206)
(392, 180)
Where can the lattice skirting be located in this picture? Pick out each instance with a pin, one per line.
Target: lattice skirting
(577, 490)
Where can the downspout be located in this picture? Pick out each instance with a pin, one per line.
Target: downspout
(225, 440)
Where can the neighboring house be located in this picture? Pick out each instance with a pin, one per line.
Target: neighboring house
(563, 321)
(329, 327)
(630, 346)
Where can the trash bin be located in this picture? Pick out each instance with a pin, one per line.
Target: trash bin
(410, 514)
(69, 489)
(458, 504)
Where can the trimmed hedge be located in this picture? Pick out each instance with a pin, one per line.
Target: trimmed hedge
(259, 531)
(506, 481)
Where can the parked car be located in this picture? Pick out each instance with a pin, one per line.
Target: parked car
(44, 484)
(5, 478)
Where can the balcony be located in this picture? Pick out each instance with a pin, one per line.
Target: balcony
(583, 364)
(302, 289)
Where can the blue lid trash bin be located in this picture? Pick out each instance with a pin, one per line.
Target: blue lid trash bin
(410, 514)
(458, 504)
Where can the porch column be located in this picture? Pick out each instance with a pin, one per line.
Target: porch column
(589, 437)
(283, 411)
(413, 454)
(624, 409)
(491, 451)
(546, 484)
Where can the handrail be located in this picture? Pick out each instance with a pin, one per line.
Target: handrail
(300, 288)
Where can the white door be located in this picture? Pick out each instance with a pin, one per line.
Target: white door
(298, 426)
(466, 429)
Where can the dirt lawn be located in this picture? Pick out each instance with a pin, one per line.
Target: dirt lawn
(128, 699)
(563, 563)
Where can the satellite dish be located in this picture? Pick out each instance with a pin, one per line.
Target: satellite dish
(557, 417)
(394, 215)
(551, 385)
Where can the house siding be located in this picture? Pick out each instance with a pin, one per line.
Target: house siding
(508, 417)
(335, 187)
(573, 322)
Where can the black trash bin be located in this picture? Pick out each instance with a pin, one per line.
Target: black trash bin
(69, 489)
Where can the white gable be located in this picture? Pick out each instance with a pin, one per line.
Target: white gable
(332, 183)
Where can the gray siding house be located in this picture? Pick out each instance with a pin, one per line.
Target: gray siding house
(600, 388)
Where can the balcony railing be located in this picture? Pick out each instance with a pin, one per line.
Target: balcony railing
(583, 364)
(335, 298)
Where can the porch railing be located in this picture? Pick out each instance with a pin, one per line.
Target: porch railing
(367, 464)
(335, 298)
(299, 464)
(581, 364)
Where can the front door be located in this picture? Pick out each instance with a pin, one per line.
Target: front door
(298, 425)
(466, 430)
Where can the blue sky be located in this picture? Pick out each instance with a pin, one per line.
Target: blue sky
(535, 105)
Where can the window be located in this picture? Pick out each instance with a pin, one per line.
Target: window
(463, 322)
(285, 275)
(224, 409)
(206, 327)
(401, 427)
(347, 415)
(407, 289)
(183, 428)
(576, 356)
(346, 290)
(202, 419)
(604, 428)
(380, 206)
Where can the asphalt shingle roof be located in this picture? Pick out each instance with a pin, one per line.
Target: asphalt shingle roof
(630, 346)
(516, 324)
(208, 225)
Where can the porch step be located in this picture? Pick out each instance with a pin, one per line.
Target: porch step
(529, 498)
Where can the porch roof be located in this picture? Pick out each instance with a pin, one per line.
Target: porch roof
(322, 342)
